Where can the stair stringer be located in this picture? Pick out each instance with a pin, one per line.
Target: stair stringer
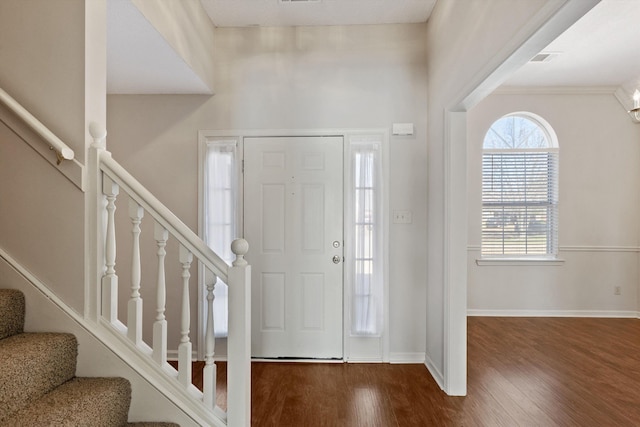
(45, 312)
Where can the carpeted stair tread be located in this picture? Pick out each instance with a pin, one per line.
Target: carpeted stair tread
(90, 402)
(11, 312)
(33, 364)
(38, 386)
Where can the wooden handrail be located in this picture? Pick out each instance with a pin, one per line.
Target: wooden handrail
(63, 152)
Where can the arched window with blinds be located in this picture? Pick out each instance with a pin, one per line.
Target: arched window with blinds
(520, 188)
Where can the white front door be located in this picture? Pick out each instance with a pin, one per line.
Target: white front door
(293, 221)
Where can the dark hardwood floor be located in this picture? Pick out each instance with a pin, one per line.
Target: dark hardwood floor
(521, 372)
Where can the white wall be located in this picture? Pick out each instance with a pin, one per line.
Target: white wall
(599, 207)
(297, 78)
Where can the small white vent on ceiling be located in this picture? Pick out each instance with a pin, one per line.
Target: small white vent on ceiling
(300, 1)
(544, 57)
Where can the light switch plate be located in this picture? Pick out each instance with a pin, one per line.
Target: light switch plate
(402, 217)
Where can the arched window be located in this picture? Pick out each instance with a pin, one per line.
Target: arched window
(520, 188)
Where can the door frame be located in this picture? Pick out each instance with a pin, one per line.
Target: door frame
(355, 349)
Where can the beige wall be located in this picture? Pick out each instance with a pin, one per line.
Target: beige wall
(41, 218)
(297, 78)
(599, 207)
(42, 65)
(42, 62)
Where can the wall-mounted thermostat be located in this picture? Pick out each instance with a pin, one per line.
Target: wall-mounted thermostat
(402, 129)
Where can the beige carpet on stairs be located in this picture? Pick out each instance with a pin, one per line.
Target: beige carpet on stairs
(38, 386)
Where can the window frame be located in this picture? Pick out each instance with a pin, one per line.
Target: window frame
(552, 232)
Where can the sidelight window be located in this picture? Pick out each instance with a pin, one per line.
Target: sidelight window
(220, 227)
(367, 294)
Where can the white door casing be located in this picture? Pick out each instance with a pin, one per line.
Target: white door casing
(293, 203)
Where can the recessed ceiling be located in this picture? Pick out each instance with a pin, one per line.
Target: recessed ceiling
(278, 13)
(601, 49)
(140, 61)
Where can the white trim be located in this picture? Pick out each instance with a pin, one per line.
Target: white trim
(600, 248)
(621, 314)
(276, 360)
(433, 370)
(406, 358)
(345, 133)
(582, 248)
(519, 261)
(172, 355)
(555, 90)
(455, 254)
(363, 360)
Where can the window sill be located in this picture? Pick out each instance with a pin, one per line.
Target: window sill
(519, 261)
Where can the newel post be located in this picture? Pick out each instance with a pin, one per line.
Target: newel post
(95, 211)
(239, 340)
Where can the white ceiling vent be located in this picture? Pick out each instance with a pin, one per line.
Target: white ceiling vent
(300, 1)
(544, 57)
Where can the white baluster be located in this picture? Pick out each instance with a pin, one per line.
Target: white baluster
(110, 280)
(239, 341)
(184, 349)
(134, 308)
(209, 373)
(160, 325)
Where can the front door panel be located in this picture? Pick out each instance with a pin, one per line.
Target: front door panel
(293, 213)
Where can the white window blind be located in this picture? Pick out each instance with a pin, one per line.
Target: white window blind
(519, 190)
(220, 217)
(367, 229)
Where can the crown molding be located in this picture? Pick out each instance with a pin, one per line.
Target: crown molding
(555, 90)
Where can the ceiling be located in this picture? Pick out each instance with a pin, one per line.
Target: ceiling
(278, 13)
(139, 60)
(601, 49)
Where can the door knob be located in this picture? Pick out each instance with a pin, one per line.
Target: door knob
(336, 259)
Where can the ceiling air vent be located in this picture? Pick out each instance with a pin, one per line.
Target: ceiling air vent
(544, 57)
(299, 1)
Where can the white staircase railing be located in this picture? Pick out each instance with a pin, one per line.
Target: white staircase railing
(63, 152)
(40, 138)
(107, 179)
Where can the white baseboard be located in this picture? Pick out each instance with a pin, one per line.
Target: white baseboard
(435, 373)
(554, 313)
(406, 358)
